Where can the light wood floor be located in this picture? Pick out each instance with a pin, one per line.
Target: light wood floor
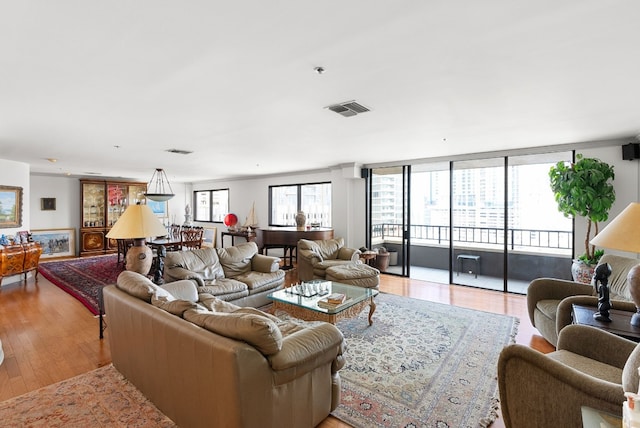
(48, 336)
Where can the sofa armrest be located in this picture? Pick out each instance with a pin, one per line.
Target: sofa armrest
(352, 254)
(596, 344)
(307, 349)
(180, 273)
(539, 391)
(553, 289)
(265, 264)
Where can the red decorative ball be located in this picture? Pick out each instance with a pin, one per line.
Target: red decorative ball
(230, 220)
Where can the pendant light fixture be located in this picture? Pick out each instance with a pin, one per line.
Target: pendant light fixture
(159, 188)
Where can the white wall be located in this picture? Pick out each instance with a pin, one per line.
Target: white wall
(16, 174)
(626, 184)
(348, 199)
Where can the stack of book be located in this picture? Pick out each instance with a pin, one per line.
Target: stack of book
(333, 301)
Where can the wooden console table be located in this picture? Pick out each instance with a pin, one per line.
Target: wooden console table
(19, 259)
(620, 324)
(248, 236)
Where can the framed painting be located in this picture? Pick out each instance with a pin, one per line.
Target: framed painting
(10, 206)
(209, 236)
(158, 208)
(47, 204)
(55, 242)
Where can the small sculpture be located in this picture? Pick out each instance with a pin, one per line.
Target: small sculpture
(604, 303)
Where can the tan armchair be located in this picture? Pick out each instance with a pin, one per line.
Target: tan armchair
(549, 300)
(314, 257)
(591, 367)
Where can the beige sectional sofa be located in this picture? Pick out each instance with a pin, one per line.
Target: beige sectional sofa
(237, 274)
(208, 363)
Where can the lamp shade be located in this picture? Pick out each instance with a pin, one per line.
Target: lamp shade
(623, 232)
(137, 221)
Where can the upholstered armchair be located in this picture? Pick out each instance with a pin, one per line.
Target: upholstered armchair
(590, 367)
(314, 257)
(549, 300)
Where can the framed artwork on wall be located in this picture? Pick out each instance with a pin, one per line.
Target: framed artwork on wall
(160, 209)
(47, 204)
(10, 206)
(55, 242)
(209, 236)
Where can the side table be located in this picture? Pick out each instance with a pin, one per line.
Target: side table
(620, 324)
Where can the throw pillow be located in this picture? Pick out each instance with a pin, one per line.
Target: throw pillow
(184, 289)
(164, 300)
(136, 285)
(258, 331)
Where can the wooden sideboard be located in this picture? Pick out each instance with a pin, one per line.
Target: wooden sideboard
(19, 259)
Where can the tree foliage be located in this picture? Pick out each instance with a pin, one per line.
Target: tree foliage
(585, 189)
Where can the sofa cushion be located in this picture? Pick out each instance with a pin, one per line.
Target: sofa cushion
(136, 285)
(257, 330)
(164, 300)
(258, 281)
(185, 290)
(236, 260)
(549, 307)
(204, 261)
(620, 267)
(226, 289)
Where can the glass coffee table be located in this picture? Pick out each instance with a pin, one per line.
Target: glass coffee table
(303, 303)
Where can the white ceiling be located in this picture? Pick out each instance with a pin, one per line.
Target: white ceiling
(107, 87)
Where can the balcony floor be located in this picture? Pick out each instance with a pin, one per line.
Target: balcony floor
(442, 277)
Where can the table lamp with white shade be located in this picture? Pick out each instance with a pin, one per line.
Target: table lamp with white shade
(138, 223)
(623, 234)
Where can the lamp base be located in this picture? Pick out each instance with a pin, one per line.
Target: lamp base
(139, 257)
(633, 280)
(635, 319)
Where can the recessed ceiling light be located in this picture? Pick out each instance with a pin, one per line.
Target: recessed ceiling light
(319, 70)
(52, 160)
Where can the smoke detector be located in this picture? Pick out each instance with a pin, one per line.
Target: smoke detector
(348, 108)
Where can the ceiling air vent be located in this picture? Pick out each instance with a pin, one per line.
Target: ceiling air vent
(348, 108)
(178, 151)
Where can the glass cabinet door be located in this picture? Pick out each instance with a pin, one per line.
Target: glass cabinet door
(117, 202)
(93, 204)
(136, 194)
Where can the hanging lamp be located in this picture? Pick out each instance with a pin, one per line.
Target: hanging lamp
(159, 188)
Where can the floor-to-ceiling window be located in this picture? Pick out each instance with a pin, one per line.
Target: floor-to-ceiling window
(489, 223)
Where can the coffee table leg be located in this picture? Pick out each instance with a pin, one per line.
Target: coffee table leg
(372, 309)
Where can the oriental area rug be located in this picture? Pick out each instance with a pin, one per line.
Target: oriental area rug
(83, 278)
(422, 364)
(100, 398)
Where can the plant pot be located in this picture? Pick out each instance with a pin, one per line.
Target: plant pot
(582, 272)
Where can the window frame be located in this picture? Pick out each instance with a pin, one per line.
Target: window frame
(211, 195)
(299, 192)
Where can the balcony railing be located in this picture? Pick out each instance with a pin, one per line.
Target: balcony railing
(516, 238)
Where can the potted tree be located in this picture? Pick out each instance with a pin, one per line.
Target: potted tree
(584, 189)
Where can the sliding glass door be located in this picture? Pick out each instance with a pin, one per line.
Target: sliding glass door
(478, 222)
(389, 218)
(488, 223)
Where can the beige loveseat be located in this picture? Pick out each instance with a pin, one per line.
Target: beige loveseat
(208, 363)
(549, 300)
(237, 274)
(314, 257)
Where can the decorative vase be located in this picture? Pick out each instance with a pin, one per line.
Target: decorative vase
(582, 272)
(301, 220)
